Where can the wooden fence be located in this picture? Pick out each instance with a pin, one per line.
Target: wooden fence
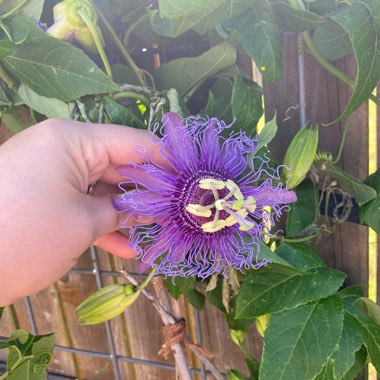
(137, 332)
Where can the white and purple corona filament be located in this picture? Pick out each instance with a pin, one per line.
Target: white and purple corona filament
(210, 208)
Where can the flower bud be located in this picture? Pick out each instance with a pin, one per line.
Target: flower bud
(69, 24)
(262, 323)
(238, 336)
(107, 303)
(300, 156)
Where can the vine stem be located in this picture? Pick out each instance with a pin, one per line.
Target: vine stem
(329, 67)
(14, 10)
(6, 78)
(163, 308)
(345, 129)
(301, 240)
(120, 46)
(97, 39)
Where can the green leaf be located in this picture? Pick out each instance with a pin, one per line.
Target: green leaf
(211, 105)
(195, 298)
(369, 308)
(298, 342)
(276, 288)
(258, 33)
(357, 21)
(370, 330)
(369, 214)
(360, 361)
(376, 15)
(179, 285)
(254, 367)
(266, 135)
(350, 342)
(32, 8)
(201, 18)
(297, 20)
(52, 108)
(266, 254)
(226, 10)
(183, 8)
(119, 114)
(331, 41)
(53, 68)
(303, 213)
(247, 99)
(361, 192)
(4, 101)
(349, 296)
(170, 27)
(374, 181)
(185, 73)
(300, 255)
(6, 46)
(366, 316)
(29, 355)
(321, 6)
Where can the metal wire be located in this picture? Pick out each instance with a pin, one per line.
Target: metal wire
(31, 317)
(113, 356)
(301, 80)
(110, 339)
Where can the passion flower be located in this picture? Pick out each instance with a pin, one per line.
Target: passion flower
(210, 207)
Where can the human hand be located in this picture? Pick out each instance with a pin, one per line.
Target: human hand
(47, 219)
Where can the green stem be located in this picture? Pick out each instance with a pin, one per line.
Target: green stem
(147, 280)
(14, 10)
(301, 240)
(346, 125)
(128, 94)
(121, 47)
(332, 69)
(6, 78)
(98, 41)
(6, 30)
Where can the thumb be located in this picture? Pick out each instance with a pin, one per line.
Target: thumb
(103, 216)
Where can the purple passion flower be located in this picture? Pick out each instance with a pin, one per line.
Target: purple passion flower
(210, 209)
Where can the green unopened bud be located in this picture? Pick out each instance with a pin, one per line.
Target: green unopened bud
(238, 336)
(262, 323)
(107, 303)
(300, 156)
(69, 22)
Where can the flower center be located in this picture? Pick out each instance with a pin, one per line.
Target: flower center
(234, 204)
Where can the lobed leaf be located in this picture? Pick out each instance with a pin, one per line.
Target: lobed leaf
(258, 33)
(276, 288)
(300, 255)
(53, 68)
(247, 99)
(303, 212)
(357, 21)
(298, 342)
(185, 73)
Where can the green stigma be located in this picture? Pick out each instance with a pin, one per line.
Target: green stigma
(234, 204)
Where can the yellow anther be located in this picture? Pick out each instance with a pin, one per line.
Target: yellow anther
(213, 226)
(219, 204)
(246, 225)
(231, 220)
(198, 210)
(239, 204)
(232, 186)
(250, 204)
(211, 184)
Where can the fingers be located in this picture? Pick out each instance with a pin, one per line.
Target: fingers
(115, 243)
(118, 145)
